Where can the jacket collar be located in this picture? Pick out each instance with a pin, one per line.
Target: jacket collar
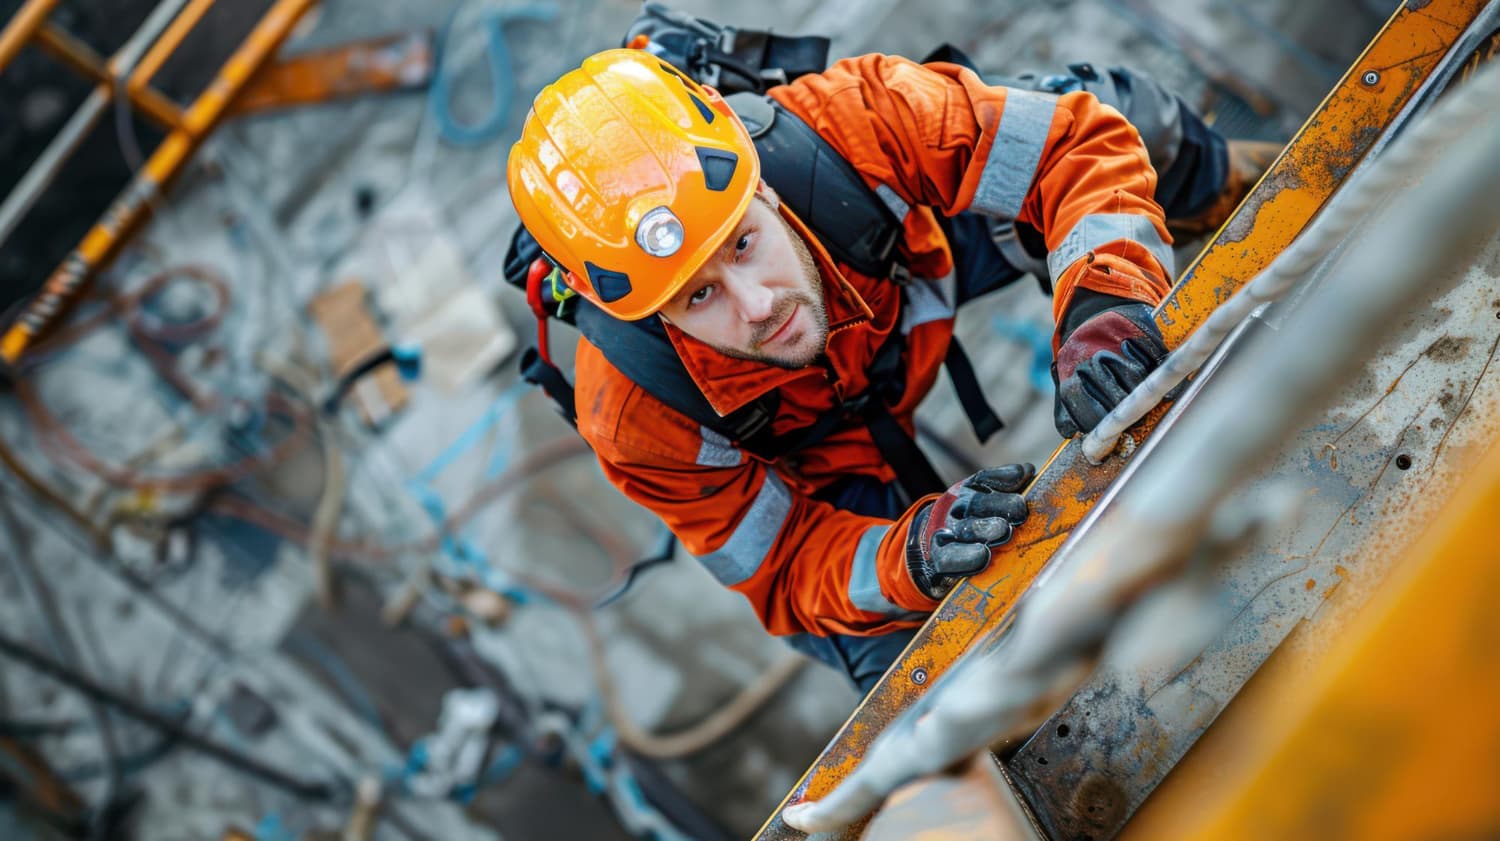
(730, 383)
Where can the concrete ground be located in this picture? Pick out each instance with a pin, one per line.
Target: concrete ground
(286, 206)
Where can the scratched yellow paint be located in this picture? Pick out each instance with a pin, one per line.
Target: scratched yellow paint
(1317, 160)
(1393, 735)
(133, 206)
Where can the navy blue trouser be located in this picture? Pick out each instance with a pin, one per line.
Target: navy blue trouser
(863, 659)
(1195, 174)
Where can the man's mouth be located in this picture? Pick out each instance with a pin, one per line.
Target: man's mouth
(778, 335)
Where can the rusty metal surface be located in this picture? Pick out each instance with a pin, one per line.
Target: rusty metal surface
(1392, 734)
(376, 65)
(1147, 577)
(975, 803)
(1332, 142)
(1369, 465)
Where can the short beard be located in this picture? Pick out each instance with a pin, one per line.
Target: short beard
(812, 300)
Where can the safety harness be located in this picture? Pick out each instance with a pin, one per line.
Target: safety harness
(825, 191)
(856, 228)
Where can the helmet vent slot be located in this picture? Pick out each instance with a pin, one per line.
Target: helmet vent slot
(704, 111)
(609, 286)
(718, 168)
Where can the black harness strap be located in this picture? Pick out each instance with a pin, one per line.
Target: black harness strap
(538, 371)
(821, 187)
(642, 352)
(966, 385)
(887, 385)
(914, 472)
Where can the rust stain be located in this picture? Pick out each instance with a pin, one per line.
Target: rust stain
(1448, 349)
(1343, 575)
(1311, 583)
(1334, 140)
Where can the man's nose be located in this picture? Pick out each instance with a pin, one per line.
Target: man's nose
(754, 300)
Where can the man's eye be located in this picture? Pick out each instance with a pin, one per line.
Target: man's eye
(743, 244)
(702, 294)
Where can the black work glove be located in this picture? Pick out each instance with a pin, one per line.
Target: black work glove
(1109, 346)
(951, 537)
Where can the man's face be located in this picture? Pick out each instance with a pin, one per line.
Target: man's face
(759, 297)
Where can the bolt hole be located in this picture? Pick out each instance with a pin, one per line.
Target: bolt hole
(1041, 760)
(364, 200)
(1063, 731)
(1403, 462)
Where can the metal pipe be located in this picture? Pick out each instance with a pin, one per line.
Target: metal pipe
(81, 59)
(37, 661)
(133, 204)
(41, 174)
(1165, 509)
(64, 647)
(171, 39)
(22, 27)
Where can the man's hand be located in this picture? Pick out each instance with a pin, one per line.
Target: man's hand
(951, 537)
(1112, 345)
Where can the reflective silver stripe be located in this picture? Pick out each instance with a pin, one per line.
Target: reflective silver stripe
(1017, 150)
(747, 548)
(927, 300)
(716, 450)
(864, 581)
(897, 204)
(1003, 235)
(1097, 229)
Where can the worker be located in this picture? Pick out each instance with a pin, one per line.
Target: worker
(645, 189)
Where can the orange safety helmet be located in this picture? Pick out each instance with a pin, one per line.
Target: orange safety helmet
(630, 175)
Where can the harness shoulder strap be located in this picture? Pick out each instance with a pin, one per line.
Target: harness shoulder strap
(642, 352)
(859, 229)
(821, 187)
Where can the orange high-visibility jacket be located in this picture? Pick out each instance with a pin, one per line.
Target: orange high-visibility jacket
(926, 138)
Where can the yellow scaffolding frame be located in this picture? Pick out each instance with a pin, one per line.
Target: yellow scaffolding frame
(127, 73)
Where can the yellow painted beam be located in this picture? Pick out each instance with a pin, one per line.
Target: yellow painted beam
(134, 204)
(1393, 735)
(1377, 86)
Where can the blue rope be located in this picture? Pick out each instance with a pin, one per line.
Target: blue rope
(463, 552)
(271, 828)
(1038, 340)
(502, 81)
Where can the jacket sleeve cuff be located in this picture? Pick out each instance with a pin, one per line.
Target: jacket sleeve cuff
(894, 578)
(1109, 274)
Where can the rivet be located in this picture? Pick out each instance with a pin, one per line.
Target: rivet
(919, 676)
(1370, 77)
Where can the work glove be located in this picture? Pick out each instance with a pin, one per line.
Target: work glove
(951, 537)
(1109, 346)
